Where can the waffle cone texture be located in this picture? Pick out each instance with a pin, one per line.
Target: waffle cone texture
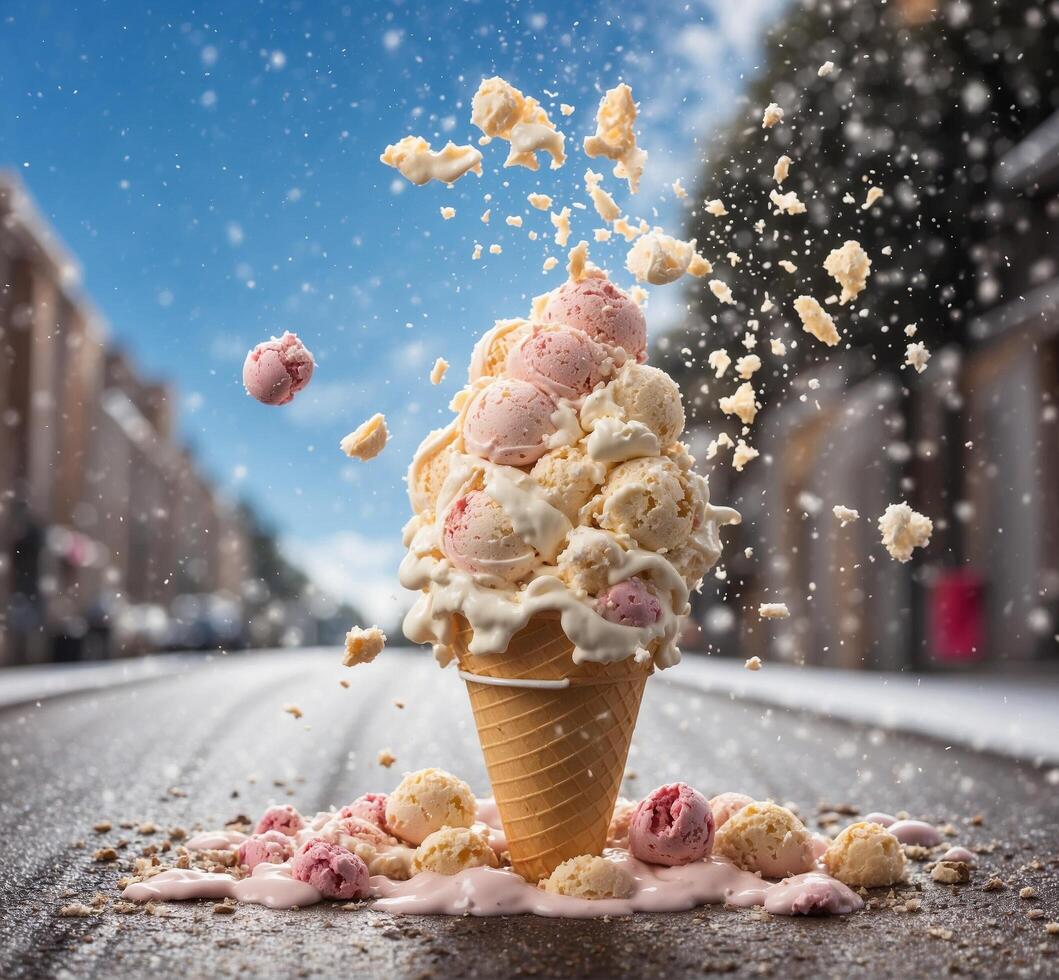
(555, 755)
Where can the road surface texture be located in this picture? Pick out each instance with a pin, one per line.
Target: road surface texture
(198, 748)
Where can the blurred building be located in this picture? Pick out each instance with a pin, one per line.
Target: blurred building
(106, 523)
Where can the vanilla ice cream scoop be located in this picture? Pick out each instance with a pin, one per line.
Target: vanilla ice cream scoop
(569, 478)
(650, 501)
(453, 849)
(866, 854)
(766, 838)
(591, 877)
(426, 801)
(652, 397)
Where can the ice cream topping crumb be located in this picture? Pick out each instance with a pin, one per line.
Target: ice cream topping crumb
(437, 372)
(615, 137)
(904, 530)
(417, 162)
(363, 645)
(816, 320)
(773, 610)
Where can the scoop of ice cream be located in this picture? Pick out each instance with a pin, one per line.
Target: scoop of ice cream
(603, 311)
(453, 849)
(618, 831)
(271, 847)
(768, 838)
(277, 369)
(673, 825)
(509, 422)
(331, 870)
(564, 362)
(629, 603)
(811, 894)
(426, 801)
(477, 536)
(916, 832)
(649, 500)
(591, 877)
(723, 805)
(370, 807)
(585, 563)
(381, 852)
(282, 817)
(569, 478)
(490, 354)
(866, 854)
(652, 397)
(430, 467)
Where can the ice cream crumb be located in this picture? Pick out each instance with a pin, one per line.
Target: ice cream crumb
(477, 253)
(781, 169)
(102, 826)
(772, 115)
(678, 189)
(561, 222)
(578, 263)
(542, 202)
(825, 69)
(1028, 892)
(916, 356)
(813, 384)
(887, 250)
(816, 320)
(528, 139)
(716, 208)
(659, 259)
(417, 162)
(1052, 928)
(628, 231)
(849, 266)
(638, 295)
(602, 234)
(601, 200)
(754, 663)
(721, 442)
(778, 347)
(550, 263)
(787, 266)
(747, 365)
(699, 266)
(363, 645)
(845, 515)
(77, 910)
(495, 249)
(293, 710)
(719, 361)
(104, 855)
(486, 215)
(615, 137)
(722, 291)
(903, 529)
(874, 193)
(447, 213)
(386, 758)
(786, 203)
(773, 610)
(910, 330)
(368, 439)
(733, 259)
(437, 372)
(515, 220)
(743, 454)
(767, 305)
(501, 111)
(566, 109)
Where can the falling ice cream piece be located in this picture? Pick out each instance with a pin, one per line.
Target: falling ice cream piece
(513, 220)
(437, 372)
(578, 266)
(448, 213)
(874, 193)
(477, 253)
(615, 137)
(601, 200)
(659, 259)
(450, 850)
(603, 311)
(417, 162)
(542, 202)
(549, 263)
(786, 203)
(866, 855)
(724, 805)
(754, 663)
(293, 710)
(385, 758)
(529, 139)
(715, 208)
(825, 69)
(722, 291)
(699, 266)
(426, 801)
(630, 603)
(678, 189)
(501, 111)
(673, 825)
(590, 877)
(367, 440)
(271, 847)
(845, 515)
(561, 223)
(478, 537)
(773, 610)
(816, 320)
(787, 266)
(747, 366)
(281, 817)
(782, 169)
(718, 362)
(772, 115)
(916, 356)
(742, 403)
(904, 530)
(566, 109)
(766, 838)
(277, 369)
(778, 347)
(331, 870)
(509, 422)
(563, 361)
(628, 231)
(849, 266)
(363, 645)
(742, 455)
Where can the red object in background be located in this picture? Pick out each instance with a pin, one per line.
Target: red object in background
(957, 617)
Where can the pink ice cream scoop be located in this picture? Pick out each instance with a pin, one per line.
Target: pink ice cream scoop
(283, 818)
(370, 807)
(277, 369)
(509, 422)
(271, 847)
(811, 893)
(915, 832)
(603, 311)
(477, 536)
(364, 830)
(673, 825)
(725, 805)
(565, 363)
(629, 603)
(331, 870)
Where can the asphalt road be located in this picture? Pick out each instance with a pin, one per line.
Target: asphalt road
(218, 735)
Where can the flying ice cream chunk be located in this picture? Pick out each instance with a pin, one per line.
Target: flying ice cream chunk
(659, 259)
(874, 193)
(437, 372)
(816, 320)
(772, 115)
(866, 855)
(903, 530)
(716, 208)
(849, 266)
(825, 69)
(448, 213)
(527, 139)
(722, 290)
(601, 200)
(501, 111)
(578, 266)
(747, 365)
(542, 202)
(427, 800)
(742, 403)
(591, 877)
(787, 266)
(450, 850)
(786, 203)
(417, 162)
(699, 266)
(766, 838)
(615, 137)
(678, 189)
(719, 361)
(742, 455)
(561, 222)
(368, 439)
(916, 356)
(782, 169)
(845, 515)
(773, 610)
(276, 370)
(363, 645)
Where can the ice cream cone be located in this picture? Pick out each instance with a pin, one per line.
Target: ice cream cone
(555, 736)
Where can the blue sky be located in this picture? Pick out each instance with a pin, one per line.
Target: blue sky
(215, 169)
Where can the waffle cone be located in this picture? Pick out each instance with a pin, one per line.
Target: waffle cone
(555, 756)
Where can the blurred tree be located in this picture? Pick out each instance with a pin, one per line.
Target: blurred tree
(280, 577)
